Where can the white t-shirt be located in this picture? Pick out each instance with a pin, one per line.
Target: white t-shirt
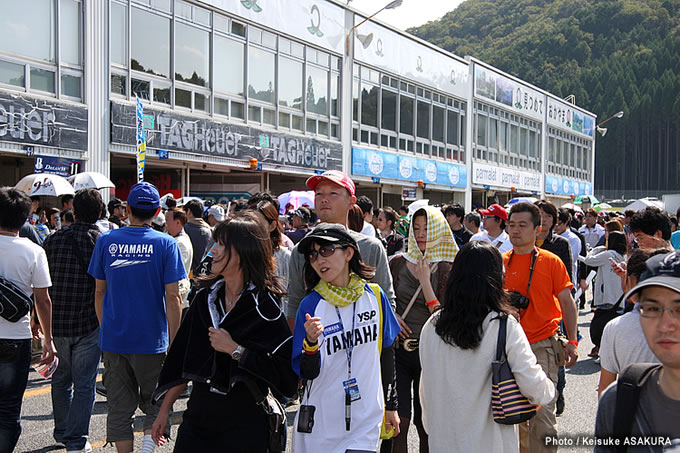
(24, 264)
(502, 242)
(368, 230)
(575, 243)
(623, 343)
(187, 252)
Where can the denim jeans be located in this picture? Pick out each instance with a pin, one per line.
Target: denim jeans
(15, 361)
(73, 386)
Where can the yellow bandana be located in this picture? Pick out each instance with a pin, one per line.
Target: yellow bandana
(441, 246)
(339, 296)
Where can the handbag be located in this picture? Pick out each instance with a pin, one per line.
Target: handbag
(508, 405)
(600, 319)
(14, 303)
(276, 416)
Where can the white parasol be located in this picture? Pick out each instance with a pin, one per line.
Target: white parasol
(46, 184)
(90, 180)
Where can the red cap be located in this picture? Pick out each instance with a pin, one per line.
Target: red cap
(334, 176)
(495, 210)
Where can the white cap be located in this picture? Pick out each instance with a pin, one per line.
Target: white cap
(217, 212)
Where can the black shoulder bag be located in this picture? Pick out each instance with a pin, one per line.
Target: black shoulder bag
(276, 416)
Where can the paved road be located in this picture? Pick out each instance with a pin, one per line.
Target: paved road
(578, 419)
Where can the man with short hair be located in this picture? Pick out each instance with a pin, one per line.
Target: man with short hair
(66, 202)
(652, 228)
(562, 228)
(655, 409)
(216, 215)
(66, 218)
(198, 230)
(366, 206)
(24, 264)
(472, 222)
(592, 231)
(116, 211)
(137, 270)
(333, 197)
(494, 228)
(455, 214)
(540, 311)
(301, 219)
(175, 219)
(75, 326)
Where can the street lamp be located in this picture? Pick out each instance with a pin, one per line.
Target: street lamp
(603, 130)
(366, 39)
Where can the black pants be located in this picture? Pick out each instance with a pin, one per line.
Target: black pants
(408, 385)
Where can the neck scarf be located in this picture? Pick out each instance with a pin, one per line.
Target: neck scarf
(342, 296)
(441, 246)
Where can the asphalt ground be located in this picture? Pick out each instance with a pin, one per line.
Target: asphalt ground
(576, 424)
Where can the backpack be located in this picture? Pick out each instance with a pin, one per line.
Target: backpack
(628, 388)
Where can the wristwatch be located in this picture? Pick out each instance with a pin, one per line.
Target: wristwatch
(236, 355)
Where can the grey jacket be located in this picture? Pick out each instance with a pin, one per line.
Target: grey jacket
(200, 234)
(372, 253)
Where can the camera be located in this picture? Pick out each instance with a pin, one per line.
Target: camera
(306, 419)
(517, 300)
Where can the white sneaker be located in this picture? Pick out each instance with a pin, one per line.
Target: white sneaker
(86, 449)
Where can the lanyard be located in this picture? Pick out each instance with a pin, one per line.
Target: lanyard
(350, 340)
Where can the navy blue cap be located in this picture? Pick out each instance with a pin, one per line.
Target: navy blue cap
(144, 195)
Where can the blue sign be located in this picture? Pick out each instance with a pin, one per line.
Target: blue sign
(56, 166)
(381, 164)
(376, 180)
(563, 186)
(163, 154)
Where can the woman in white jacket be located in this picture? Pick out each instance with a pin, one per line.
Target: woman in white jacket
(457, 347)
(607, 284)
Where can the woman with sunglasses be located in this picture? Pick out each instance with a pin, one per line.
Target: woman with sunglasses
(342, 349)
(234, 337)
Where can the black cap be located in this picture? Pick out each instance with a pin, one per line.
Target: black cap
(114, 203)
(304, 213)
(332, 233)
(662, 270)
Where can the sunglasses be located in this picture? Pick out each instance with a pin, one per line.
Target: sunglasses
(324, 250)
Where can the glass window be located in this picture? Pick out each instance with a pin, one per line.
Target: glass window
(481, 130)
(269, 117)
(523, 145)
(261, 75)
(297, 123)
(438, 115)
(12, 74)
(238, 110)
(311, 125)
(551, 149)
(118, 85)
(162, 95)
(290, 83)
(323, 128)
(28, 28)
(150, 43)
(514, 138)
(238, 29)
(369, 105)
(493, 133)
(119, 34)
(182, 98)
(317, 90)
(389, 111)
(284, 119)
(406, 115)
(140, 89)
(221, 107)
(42, 80)
(452, 128)
(423, 119)
(200, 102)
(335, 94)
(228, 65)
(254, 113)
(221, 23)
(502, 136)
(70, 32)
(355, 100)
(532, 144)
(70, 85)
(201, 16)
(192, 55)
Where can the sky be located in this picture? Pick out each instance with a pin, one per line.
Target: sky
(411, 12)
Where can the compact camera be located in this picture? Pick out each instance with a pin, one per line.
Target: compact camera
(306, 419)
(517, 300)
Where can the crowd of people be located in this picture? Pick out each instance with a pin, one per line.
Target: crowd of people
(368, 318)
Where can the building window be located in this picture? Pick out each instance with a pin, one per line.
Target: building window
(369, 105)
(317, 90)
(290, 83)
(229, 65)
(150, 28)
(261, 70)
(192, 55)
(388, 119)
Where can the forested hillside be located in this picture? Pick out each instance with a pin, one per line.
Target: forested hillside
(612, 55)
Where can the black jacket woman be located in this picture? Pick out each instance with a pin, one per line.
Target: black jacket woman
(234, 332)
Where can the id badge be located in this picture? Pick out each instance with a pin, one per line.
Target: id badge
(352, 389)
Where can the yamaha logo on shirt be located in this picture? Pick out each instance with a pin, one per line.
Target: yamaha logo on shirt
(130, 254)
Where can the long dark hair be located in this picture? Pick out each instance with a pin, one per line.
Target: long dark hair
(617, 241)
(356, 265)
(474, 289)
(246, 234)
(271, 215)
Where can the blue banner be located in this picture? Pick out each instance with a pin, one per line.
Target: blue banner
(563, 186)
(368, 162)
(141, 142)
(56, 165)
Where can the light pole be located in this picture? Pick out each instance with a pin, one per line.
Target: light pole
(603, 130)
(366, 40)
